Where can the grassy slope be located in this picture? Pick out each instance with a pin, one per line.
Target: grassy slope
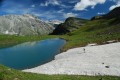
(98, 31)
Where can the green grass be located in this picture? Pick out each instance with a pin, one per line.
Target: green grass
(98, 31)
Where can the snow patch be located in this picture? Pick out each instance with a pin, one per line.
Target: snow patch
(89, 60)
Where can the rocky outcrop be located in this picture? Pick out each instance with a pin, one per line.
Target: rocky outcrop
(23, 25)
(60, 30)
(69, 25)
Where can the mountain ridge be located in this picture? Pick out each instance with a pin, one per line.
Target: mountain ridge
(26, 24)
(70, 24)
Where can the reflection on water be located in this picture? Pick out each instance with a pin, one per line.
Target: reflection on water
(30, 54)
(27, 44)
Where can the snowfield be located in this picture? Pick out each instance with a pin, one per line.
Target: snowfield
(95, 60)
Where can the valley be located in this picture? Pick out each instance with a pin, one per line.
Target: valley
(99, 31)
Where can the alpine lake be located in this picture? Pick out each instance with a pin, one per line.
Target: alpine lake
(31, 54)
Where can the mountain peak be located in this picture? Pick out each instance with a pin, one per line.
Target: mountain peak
(26, 24)
(70, 24)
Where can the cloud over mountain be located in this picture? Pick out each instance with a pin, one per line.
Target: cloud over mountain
(70, 15)
(117, 4)
(83, 4)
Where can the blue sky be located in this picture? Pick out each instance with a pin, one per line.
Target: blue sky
(58, 9)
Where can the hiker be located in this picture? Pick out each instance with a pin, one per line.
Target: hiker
(84, 50)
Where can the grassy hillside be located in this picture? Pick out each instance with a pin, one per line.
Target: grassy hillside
(97, 31)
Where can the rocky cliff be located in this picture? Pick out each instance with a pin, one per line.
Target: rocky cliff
(23, 25)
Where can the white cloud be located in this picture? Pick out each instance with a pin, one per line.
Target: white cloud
(116, 5)
(65, 6)
(33, 6)
(83, 4)
(55, 3)
(73, 1)
(50, 2)
(70, 15)
(100, 13)
(42, 4)
(60, 11)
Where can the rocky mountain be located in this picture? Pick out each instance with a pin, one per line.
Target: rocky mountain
(26, 24)
(69, 25)
(112, 14)
(54, 23)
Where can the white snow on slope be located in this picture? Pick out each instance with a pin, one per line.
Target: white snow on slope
(97, 60)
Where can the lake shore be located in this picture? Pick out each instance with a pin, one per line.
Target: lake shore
(90, 60)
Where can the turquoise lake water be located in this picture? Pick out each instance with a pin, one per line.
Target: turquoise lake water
(30, 54)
